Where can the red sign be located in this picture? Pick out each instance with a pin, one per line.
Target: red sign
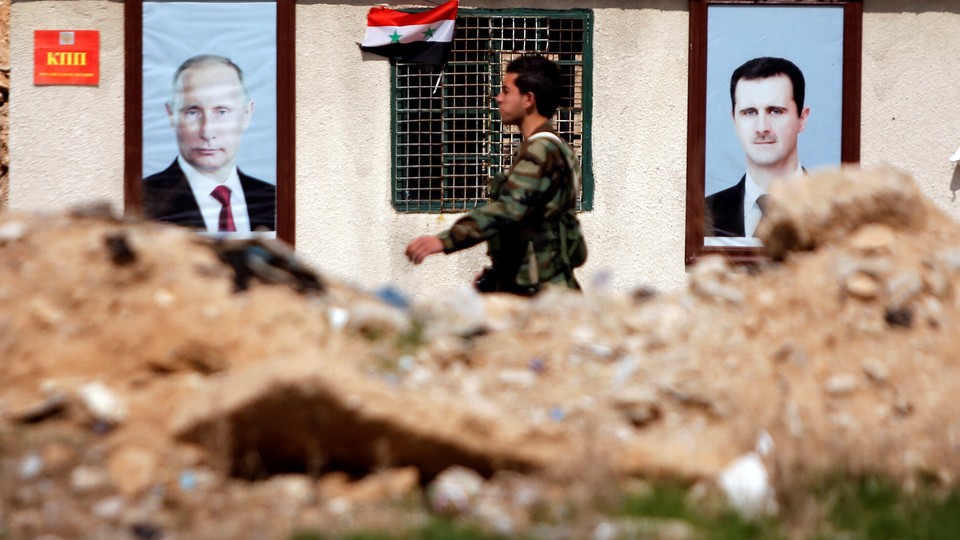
(66, 57)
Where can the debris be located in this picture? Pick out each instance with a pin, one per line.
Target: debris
(102, 403)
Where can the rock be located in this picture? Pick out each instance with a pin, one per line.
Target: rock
(863, 286)
(872, 239)
(876, 370)
(460, 312)
(518, 378)
(292, 488)
(338, 317)
(377, 318)
(708, 280)
(132, 469)
(638, 405)
(936, 279)
(444, 350)
(841, 384)
(950, 258)
(58, 457)
(31, 466)
(45, 313)
(903, 287)
(820, 208)
(746, 484)
(200, 479)
(454, 491)
(85, 479)
(12, 230)
(385, 485)
(109, 507)
(36, 411)
(102, 403)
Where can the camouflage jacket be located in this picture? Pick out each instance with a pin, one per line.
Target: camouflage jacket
(530, 222)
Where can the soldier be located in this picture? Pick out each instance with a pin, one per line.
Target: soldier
(530, 224)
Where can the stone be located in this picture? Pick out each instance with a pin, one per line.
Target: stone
(459, 312)
(86, 479)
(337, 317)
(824, 207)
(863, 286)
(518, 378)
(11, 231)
(31, 466)
(841, 384)
(385, 485)
(936, 279)
(872, 239)
(109, 507)
(454, 491)
(293, 488)
(903, 287)
(377, 318)
(102, 403)
(638, 405)
(36, 411)
(876, 370)
(132, 469)
(747, 486)
(58, 457)
(444, 350)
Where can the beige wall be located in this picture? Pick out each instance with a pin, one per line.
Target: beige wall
(66, 142)
(911, 92)
(67, 145)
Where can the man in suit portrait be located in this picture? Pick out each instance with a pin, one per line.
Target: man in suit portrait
(209, 108)
(768, 115)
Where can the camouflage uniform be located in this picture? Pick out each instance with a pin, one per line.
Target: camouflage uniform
(530, 224)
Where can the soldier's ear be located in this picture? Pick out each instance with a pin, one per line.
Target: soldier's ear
(530, 101)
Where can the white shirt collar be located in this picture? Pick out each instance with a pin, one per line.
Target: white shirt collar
(202, 185)
(752, 192)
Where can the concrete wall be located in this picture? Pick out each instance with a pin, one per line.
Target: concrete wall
(67, 144)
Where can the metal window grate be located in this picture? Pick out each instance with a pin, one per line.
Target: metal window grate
(449, 140)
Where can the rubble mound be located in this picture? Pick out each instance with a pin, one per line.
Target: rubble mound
(156, 379)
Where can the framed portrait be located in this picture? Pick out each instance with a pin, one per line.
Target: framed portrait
(209, 115)
(774, 92)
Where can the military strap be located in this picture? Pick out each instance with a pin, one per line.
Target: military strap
(564, 249)
(573, 171)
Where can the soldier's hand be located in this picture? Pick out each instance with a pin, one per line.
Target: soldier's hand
(422, 247)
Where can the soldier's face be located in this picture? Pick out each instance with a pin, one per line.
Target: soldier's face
(512, 103)
(210, 114)
(767, 122)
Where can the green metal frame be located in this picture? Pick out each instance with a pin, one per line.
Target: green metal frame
(586, 203)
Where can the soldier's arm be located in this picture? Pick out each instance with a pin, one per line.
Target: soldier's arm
(523, 189)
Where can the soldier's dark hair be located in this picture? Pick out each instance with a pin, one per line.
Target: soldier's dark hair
(542, 77)
(765, 67)
(205, 60)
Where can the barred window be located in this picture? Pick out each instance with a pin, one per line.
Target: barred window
(448, 139)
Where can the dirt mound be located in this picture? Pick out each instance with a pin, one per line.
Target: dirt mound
(153, 378)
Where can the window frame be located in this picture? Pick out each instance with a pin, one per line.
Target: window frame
(587, 181)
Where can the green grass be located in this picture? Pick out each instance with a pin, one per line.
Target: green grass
(670, 501)
(874, 508)
(861, 508)
(439, 529)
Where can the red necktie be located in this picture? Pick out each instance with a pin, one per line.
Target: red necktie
(222, 194)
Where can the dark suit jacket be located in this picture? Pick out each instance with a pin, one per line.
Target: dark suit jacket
(724, 212)
(167, 197)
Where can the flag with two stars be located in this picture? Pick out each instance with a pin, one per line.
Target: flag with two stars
(411, 37)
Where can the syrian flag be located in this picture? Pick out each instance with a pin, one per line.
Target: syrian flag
(411, 37)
